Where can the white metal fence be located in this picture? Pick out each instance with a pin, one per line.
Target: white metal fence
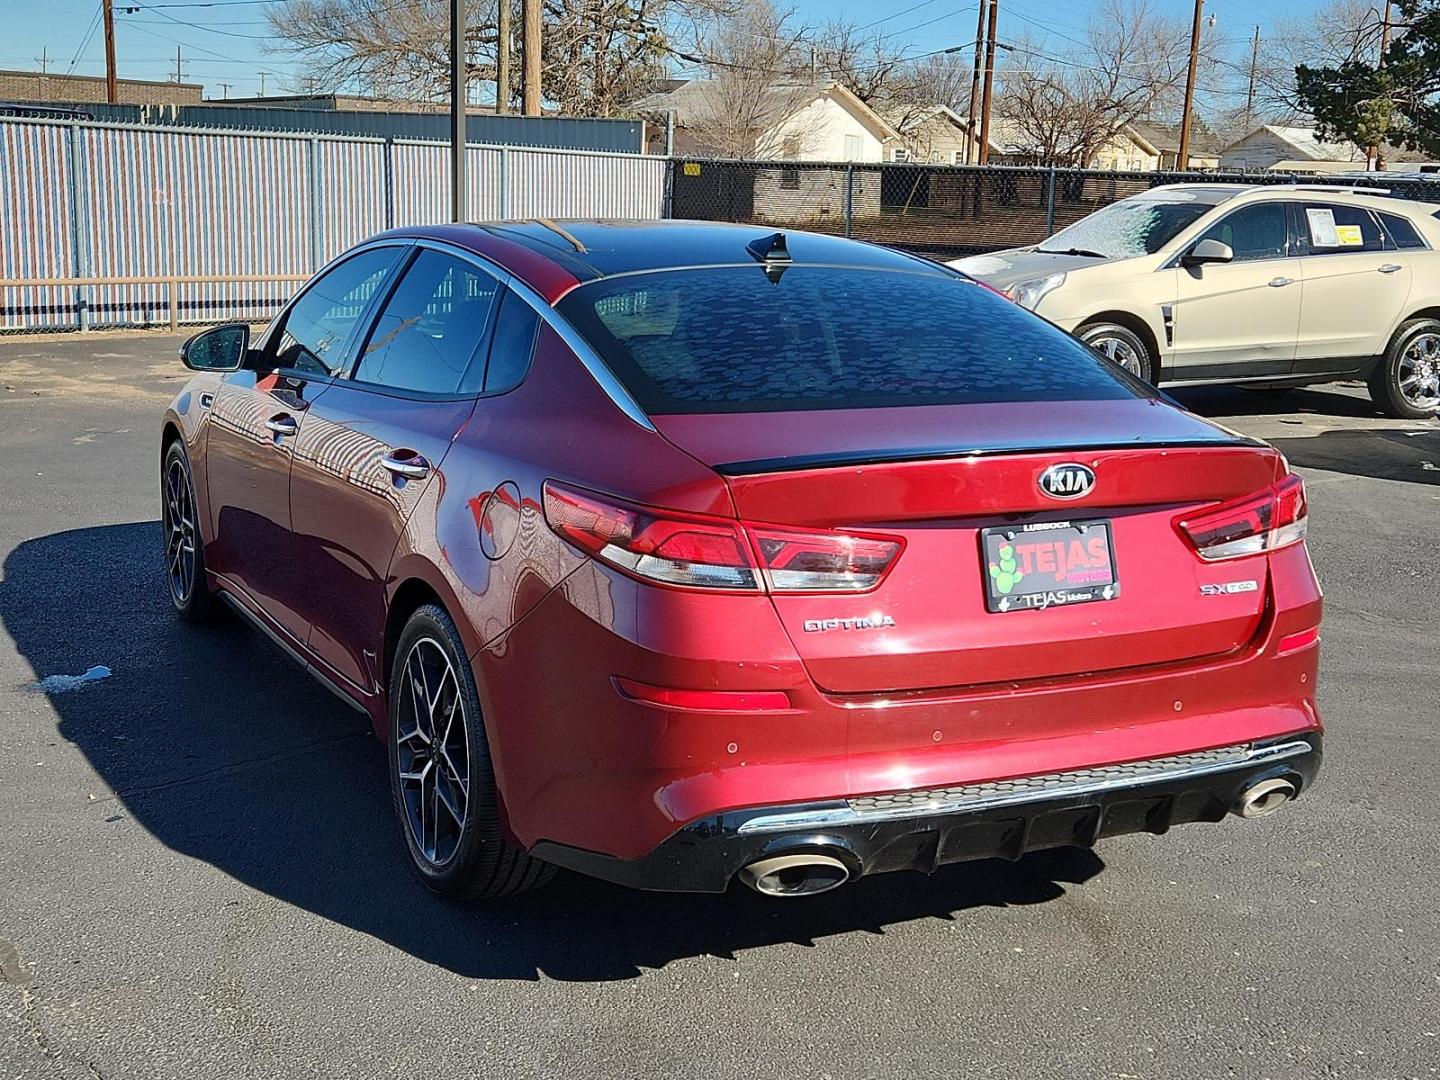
(238, 217)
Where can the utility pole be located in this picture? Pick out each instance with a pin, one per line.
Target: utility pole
(459, 186)
(1182, 157)
(502, 60)
(179, 75)
(112, 89)
(44, 60)
(987, 96)
(262, 83)
(1379, 150)
(1250, 96)
(530, 16)
(225, 90)
(971, 114)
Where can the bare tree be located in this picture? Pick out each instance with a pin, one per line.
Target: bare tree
(1060, 108)
(757, 77)
(938, 79)
(867, 65)
(400, 48)
(597, 54)
(1340, 31)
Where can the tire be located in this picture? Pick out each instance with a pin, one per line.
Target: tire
(1406, 382)
(1121, 345)
(184, 555)
(449, 811)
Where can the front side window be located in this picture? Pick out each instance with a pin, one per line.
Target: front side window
(729, 339)
(1140, 225)
(1258, 231)
(431, 329)
(319, 324)
(1339, 230)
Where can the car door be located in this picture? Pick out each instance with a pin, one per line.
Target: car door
(373, 444)
(1241, 317)
(1355, 286)
(256, 418)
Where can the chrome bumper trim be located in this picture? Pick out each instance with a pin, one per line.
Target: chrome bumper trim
(1061, 785)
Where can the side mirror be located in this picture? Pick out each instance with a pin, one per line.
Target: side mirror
(1208, 251)
(221, 348)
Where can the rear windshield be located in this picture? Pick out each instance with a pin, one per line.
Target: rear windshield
(729, 339)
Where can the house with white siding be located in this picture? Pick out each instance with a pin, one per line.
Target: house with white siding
(1290, 149)
(790, 122)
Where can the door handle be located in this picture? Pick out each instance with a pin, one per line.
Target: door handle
(282, 425)
(1281, 282)
(1390, 268)
(412, 466)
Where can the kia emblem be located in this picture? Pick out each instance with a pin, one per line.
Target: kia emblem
(1067, 481)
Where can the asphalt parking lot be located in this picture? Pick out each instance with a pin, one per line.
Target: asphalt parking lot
(200, 875)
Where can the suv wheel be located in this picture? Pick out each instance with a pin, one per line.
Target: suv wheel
(440, 773)
(1122, 346)
(1406, 382)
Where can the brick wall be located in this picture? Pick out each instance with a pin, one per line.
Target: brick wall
(73, 89)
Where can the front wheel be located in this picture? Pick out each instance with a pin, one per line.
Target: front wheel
(190, 594)
(441, 778)
(1406, 382)
(1121, 345)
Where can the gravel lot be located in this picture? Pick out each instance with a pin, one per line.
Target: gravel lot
(200, 875)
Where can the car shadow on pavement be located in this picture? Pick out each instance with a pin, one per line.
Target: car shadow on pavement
(1232, 400)
(214, 742)
(1384, 453)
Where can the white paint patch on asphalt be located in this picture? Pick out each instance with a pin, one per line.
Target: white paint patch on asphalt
(63, 684)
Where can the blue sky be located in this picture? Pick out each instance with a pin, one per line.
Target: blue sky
(225, 41)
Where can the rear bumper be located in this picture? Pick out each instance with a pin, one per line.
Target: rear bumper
(923, 830)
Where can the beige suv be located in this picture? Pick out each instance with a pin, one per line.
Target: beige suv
(1278, 285)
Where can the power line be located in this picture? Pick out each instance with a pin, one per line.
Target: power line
(898, 14)
(202, 26)
(85, 41)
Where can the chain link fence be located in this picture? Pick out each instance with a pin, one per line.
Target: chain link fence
(941, 211)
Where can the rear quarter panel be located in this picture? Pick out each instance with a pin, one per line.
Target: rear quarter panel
(479, 539)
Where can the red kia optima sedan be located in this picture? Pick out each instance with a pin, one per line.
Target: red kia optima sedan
(679, 553)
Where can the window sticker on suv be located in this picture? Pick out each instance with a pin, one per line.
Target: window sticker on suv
(1322, 227)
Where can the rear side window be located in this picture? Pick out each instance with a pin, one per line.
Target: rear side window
(512, 345)
(732, 340)
(1258, 231)
(432, 328)
(1339, 230)
(319, 324)
(1401, 232)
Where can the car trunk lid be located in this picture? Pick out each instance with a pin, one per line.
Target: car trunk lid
(938, 477)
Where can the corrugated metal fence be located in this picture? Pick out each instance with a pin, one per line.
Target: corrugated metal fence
(80, 200)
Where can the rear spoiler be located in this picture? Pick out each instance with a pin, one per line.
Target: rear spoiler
(852, 458)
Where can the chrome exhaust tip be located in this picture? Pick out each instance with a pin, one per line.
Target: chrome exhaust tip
(795, 875)
(1263, 798)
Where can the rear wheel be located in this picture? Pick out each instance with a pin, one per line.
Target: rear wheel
(1406, 382)
(190, 594)
(440, 773)
(1122, 346)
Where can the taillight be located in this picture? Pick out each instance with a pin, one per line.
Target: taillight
(710, 552)
(1270, 519)
(679, 549)
(807, 561)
